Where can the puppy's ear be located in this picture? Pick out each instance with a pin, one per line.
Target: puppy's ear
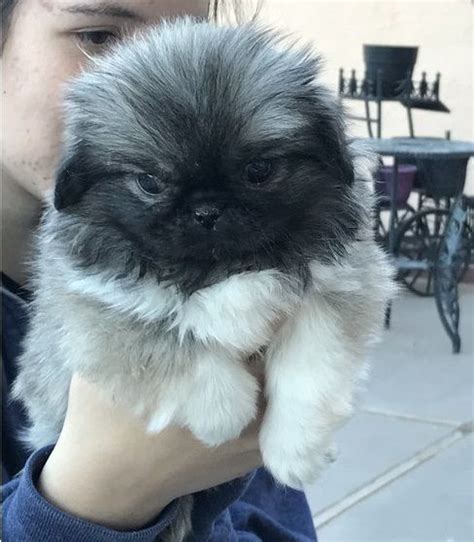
(346, 167)
(327, 119)
(340, 161)
(72, 181)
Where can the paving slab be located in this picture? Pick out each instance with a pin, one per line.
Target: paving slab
(432, 503)
(418, 393)
(368, 446)
(413, 370)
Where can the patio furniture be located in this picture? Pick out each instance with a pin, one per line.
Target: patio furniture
(388, 77)
(449, 266)
(448, 247)
(437, 182)
(418, 239)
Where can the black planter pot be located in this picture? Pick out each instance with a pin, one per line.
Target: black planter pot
(395, 65)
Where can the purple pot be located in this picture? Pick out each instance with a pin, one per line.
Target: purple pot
(406, 178)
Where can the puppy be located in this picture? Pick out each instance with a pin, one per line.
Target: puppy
(206, 191)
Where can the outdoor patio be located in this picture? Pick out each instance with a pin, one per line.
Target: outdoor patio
(405, 466)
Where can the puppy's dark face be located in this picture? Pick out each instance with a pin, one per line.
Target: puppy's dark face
(195, 152)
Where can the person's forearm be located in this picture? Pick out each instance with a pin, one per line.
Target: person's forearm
(92, 474)
(29, 517)
(97, 488)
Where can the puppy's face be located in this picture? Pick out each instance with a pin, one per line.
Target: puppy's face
(201, 151)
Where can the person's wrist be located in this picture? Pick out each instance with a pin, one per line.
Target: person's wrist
(103, 467)
(102, 484)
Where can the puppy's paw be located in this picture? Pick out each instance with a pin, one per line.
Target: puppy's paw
(219, 430)
(223, 423)
(159, 421)
(332, 453)
(222, 414)
(294, 469)
(293, 461)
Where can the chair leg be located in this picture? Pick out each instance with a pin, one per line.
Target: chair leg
(410, 122)
(446, 272)
(388, 315)
(369, 120)
(379, 119)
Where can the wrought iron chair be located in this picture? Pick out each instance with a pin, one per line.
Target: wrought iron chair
(449, 264)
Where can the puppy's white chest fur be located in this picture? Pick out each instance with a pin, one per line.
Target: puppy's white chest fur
(239, 313)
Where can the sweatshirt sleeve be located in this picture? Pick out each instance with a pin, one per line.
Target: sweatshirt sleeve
(28, 517)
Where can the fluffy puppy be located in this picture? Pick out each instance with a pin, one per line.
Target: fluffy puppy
(207, 189)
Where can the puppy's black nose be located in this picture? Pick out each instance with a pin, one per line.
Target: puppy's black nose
(207, 215)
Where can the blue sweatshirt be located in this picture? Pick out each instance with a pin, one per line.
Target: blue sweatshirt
(248, 509)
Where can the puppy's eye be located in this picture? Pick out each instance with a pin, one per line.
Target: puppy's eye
(259, 171)
(149, 184)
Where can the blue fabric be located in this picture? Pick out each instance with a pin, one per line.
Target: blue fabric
(249, 509)
(14, 321)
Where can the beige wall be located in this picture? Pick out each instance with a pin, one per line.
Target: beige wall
(442, 29)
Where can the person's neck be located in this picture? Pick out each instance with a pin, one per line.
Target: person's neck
(20, 213)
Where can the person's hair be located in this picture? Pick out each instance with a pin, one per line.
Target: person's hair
(234, 11)
(217, 9)
(7, 11)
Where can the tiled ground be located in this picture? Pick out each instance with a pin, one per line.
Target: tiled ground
(405, 466)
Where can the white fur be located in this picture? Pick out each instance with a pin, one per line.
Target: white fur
(216, 401)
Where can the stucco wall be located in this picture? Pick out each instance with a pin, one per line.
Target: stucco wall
(442, 29)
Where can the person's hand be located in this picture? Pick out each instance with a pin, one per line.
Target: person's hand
(106, 469)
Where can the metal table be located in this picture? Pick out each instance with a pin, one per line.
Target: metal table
(445, 279)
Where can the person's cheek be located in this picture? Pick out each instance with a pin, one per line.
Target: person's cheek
(37, 65)
(37, 132)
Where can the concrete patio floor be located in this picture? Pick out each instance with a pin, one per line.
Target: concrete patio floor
(405, 466)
